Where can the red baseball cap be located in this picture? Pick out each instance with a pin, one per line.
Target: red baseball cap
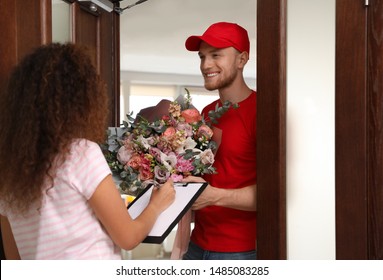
(221, 35)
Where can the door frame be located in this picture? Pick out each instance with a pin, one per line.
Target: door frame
(271, 129)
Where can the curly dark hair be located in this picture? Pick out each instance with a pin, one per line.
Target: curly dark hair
(54, 96)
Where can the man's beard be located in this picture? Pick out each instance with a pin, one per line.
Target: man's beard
(227, 81)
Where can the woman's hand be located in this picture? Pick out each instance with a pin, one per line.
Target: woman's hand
(126, 232)
(162, 197)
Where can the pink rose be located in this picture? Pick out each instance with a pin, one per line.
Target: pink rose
(135, 162)
(205, 131)
(145, 174)
(191, 115)
(187, 128)
(176, 178)
(170, 131)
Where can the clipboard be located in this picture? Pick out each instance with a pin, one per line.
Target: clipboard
(186, 195)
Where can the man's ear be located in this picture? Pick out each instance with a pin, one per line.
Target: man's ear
(243, 58)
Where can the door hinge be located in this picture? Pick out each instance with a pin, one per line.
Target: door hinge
(366, 3)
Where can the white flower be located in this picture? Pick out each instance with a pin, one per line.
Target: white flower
(143, 141)
(124, 155)
(207, 157)
(188, 144)
(169, 161)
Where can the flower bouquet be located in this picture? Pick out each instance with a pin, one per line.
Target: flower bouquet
(173, 144)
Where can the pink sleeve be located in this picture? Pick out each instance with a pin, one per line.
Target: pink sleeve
(90, 168)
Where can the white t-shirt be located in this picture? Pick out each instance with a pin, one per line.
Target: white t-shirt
(66, 227)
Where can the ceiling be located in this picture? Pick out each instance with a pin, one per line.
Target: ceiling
(153, 33)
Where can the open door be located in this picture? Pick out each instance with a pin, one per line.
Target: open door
(28, 24)
(100, 30)
(359, 126)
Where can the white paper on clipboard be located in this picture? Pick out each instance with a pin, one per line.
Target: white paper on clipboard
(186, 194)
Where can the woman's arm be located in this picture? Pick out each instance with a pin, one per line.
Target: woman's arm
(111, 211)
(9, 244)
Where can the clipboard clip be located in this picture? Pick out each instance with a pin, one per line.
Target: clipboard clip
(179, 184)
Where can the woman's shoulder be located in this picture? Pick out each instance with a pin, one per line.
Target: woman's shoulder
(83, 147)
(83, 143)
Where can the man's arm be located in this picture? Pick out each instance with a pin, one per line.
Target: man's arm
(242, 199)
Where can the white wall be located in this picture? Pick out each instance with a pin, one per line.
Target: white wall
(310, 129)
(61, 21)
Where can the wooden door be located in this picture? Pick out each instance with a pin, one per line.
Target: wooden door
(359, 129)
(100, 30)
(28, 24)
(375, 129)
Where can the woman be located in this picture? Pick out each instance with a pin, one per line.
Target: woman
(57, 197)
